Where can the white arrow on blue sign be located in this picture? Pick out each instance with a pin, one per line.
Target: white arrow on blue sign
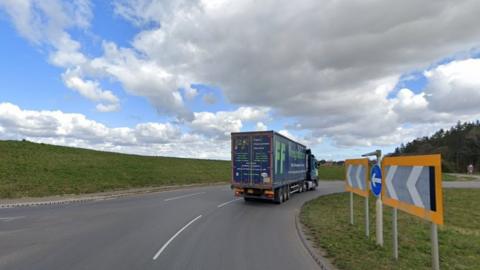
(376, 180)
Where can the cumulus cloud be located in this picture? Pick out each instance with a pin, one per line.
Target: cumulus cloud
(331, 66)
(92, 91)
(333, 77)
(220, 124)
(73, 129)
(454, 87)
(47, 24)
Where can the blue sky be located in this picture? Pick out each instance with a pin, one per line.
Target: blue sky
(176, 77)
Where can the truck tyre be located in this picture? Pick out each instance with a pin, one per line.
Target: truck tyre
(278, 196)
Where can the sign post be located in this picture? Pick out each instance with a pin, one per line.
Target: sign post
(357, 182)
(376, 187)
(395, 234)
(414, 185)
(378, 204)
(367, 219)
(351, 208)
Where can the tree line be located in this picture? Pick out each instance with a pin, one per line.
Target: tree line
(459, 146)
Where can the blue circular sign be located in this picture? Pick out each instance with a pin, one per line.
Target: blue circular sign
(376, 180)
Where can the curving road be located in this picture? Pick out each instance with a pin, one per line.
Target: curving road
(197, 228)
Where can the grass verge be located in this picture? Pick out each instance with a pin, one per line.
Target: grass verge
(35, 170)
(458, 177)
(327, 221)
(331, 173)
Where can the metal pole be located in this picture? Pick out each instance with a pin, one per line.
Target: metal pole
(367, 219)
(379, 207)
(435, 255)
(379, 226)
(395, 234)
(351, 208)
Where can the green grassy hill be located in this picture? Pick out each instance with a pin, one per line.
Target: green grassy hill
(31, 170)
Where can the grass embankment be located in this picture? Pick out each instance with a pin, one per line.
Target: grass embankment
(33, 170)
(338, 173)
(327, 219)
(331, 172)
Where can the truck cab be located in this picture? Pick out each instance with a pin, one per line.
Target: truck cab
(312, 169)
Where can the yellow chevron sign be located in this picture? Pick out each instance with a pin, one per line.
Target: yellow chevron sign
(356, 176)
(413, 184)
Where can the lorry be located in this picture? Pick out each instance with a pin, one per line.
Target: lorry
(267, 165)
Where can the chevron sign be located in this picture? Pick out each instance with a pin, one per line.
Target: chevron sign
(413, 184)
(356, 176)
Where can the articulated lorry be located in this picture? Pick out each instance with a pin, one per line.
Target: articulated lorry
(267, 165)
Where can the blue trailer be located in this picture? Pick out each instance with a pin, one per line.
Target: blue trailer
(268, 165)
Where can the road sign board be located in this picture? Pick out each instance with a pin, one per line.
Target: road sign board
(414, 184)
(356, 176)
(376, 180)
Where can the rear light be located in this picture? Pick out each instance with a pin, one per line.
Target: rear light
(238, 192)
(268, 192)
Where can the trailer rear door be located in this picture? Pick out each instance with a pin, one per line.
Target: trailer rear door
(252, 158)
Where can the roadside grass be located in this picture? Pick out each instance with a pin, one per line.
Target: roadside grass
(458, 177)
(331, 173)
(327, 221)
(34, 170)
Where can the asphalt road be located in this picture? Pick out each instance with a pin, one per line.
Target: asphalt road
(197, 228)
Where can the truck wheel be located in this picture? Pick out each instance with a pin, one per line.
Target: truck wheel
(278, 196)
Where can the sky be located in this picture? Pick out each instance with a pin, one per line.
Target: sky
(176, 77)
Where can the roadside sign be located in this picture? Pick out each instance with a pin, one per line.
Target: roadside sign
(356, 176)
(376, 180)
(413, 184)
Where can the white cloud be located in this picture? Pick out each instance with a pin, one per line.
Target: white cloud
(72, 129)
(157, 132)
(68, 52)
(92, 91)
(454, 87)
(190, 93)
(142, 78)
(260, 126)
(48, 24)
(220, 124)
(335, 80)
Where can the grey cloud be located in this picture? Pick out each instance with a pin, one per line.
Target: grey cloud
(314, 60)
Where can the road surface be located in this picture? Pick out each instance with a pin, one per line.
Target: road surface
(197, 228)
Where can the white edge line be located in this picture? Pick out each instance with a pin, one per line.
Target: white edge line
(388, 181)
(183, 196)
(173, 237)
(11, 218)
(229, 202)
